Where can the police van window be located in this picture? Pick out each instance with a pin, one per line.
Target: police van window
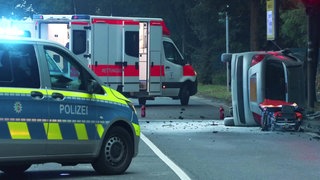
(132, 43)
(18, 66)
(172, 54)
(79, 41)
(65, 72)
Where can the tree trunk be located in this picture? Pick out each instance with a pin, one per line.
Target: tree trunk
(254, 10)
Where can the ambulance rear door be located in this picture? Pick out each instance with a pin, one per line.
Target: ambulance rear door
(80, 40)
(116, 52)
(54, 29)
(156, 67)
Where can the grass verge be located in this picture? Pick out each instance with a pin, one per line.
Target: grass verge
(214, 91)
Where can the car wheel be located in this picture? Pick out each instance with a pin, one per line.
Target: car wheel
(116, 152)
(15, 169)
(184, 95)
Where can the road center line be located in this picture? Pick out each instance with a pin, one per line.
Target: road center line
(175, 168)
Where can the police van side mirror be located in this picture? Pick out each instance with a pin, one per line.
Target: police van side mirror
(226, 57)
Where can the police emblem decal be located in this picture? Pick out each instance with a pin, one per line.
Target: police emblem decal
(17, 107)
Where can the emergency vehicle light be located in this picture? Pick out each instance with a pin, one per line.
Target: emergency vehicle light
(80, 16)
(11, 32)
(37, 16)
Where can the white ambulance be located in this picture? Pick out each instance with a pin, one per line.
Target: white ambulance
(133, 55)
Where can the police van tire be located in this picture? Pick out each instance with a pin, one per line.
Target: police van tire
(15, 169)
(116, 153)
(184, 95)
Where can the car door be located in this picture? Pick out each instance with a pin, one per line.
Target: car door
(23, 104)
(173, 69)
(73, 125)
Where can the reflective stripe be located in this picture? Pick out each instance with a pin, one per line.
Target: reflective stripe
(100, 130)
(136, 129)
(53, 131)
(57, 131)
(81, 131)
(19, 130)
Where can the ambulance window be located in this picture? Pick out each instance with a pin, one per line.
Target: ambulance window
(172, 54)
(18, 66)
(132, 43)
(79, 41)
(65, 72)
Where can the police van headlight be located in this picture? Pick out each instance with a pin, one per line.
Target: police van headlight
(130, 104)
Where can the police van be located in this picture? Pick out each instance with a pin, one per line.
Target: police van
(55, 109)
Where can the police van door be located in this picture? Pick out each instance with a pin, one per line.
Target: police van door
(72, 109)
(116, 52)
(24, 106)
(156, 69)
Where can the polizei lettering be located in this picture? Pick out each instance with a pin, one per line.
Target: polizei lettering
(73, 109)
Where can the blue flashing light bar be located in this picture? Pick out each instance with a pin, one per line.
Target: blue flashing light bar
(80, 16)
(37, 16)
(14, 32)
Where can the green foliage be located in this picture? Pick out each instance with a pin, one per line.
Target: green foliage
(216, 91)
(294, 28)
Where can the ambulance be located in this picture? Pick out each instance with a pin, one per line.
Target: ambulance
(131, 54)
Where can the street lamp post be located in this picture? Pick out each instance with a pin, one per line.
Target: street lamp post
(227, 47)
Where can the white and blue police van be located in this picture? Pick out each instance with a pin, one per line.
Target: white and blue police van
(53, 108)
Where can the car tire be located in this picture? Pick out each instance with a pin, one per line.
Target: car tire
(184, 95)
(116, 153)
(15, 169)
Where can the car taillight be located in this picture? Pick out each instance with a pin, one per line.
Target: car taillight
(257, 58)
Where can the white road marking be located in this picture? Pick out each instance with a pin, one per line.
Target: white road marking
(176, 169)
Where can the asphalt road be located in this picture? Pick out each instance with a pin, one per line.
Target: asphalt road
(189, 142)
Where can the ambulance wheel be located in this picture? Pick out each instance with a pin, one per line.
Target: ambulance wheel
(142, 101)
(184, 95)
(15, 169)
(116, 153)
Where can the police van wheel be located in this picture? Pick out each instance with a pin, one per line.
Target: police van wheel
(184, 95)
(15, 169)
(116, 153)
